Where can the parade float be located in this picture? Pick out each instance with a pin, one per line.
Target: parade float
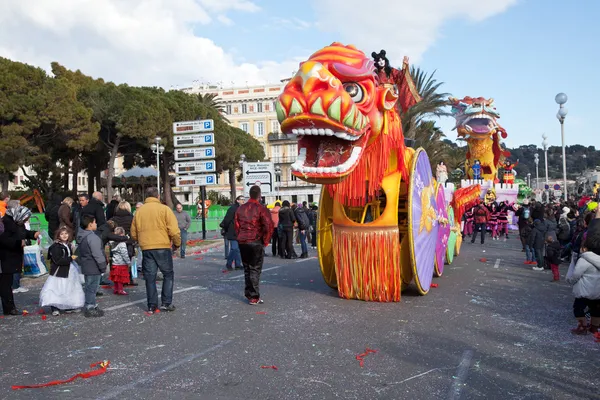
(487, 162)
(384, 222)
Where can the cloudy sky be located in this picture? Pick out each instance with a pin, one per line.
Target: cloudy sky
(520, 52)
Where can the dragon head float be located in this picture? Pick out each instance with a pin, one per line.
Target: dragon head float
(476, 122)
(345, 121)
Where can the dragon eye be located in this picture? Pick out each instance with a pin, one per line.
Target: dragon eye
(355, 91)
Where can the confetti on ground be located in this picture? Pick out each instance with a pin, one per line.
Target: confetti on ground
(199, 258)
(261, 312)
(44, 317)
(25, 312)
(361, 356)
(106, 286)
(434, 285)
(483, 259)
(225, 271)
(103, 365)
(269, 367)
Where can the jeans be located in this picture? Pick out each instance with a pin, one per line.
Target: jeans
(275, 242)
(153, 261)
(530, 253)
(183, 242)
(539, 257)
(287, 244)
(90, 288)
(302, 235)
(234, 254)
(16, 280)
(477, 228)
(252, 257)
(226, 247)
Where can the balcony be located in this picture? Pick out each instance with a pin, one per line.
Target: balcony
(279, 137)
(283, 160)
(293, 184)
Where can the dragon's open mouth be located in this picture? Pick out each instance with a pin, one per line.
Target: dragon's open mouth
(326, 149)
(479, 124)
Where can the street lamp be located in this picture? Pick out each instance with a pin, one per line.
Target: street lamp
(278, 174)
(242, 160)
(536, 160)
(529, 179)
(561, 99)
(158, 149)
(545, 146)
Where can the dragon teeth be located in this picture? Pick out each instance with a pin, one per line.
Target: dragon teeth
(298, 166)
(325, 132)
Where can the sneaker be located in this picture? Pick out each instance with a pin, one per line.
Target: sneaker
(151, 309)
(240, 267)
(99, 294)
(122, 293)
(167, 308)
(254, 302)
(73, 311)
(229, 267)
(20, 290)
(183, 256)
(527, 262)
(93, 313)
(55, 313)
(538, 268)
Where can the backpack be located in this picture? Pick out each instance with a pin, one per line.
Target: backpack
(526, 213)
(564, 230)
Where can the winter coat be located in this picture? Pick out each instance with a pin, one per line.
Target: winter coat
(60, 259)
(228, 222)
(96, 209)
(586, 276)
(275, 215)
(553, 253)
(11, 245)
(65, 218)
(123, 219)
(481, 214)
(155, 226)
(525, 232)
(53, 219)
(92, 258)
(286, 218)
(253, 223)
(119, 254)
(551, 227)
(524, 213)
(302, 218)
(538, 235)
(564, 229)
(111, 209)
(184, 221)
(594, 226)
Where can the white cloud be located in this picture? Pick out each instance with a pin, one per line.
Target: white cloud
(401, 27)
(141, 42)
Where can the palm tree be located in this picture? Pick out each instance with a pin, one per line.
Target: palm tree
(210, 101)
(432, 104)
(429, 136)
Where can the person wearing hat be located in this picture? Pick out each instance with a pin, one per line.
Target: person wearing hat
(523, 213)
(564, 227)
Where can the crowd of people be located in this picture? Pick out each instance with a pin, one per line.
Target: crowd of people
(550, 235)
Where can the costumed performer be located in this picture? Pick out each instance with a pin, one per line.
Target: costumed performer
(476, 167)
(509, 174)
(400, 81)
(441, 173)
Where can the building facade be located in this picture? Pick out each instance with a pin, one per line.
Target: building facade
(252, 109)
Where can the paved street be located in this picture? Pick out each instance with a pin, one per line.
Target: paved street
(494, 330)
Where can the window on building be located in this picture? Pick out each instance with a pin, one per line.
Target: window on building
(293, 177)
(228, 109)
(244, 126)
(259, 129)
(294, 199)
(311, 198)
(275, 151)
(244, 109)
(277, 178)
(275, 126)
(259, 107)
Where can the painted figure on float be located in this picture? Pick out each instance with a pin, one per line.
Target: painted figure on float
(476, 168)
(343, 106)
(441, 173)
(476, 123)
(509, 172)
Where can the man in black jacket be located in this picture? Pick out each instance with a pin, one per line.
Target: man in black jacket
(303, 227)
(229, 227)
(93, 207)
(287, 219)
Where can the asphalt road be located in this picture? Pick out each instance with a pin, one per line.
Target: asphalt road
(493, 329)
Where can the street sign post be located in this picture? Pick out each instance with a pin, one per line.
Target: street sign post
(183, 127)
(195, 167)
(194, 153)
(196, 180)
(197, 139)
(260, 174)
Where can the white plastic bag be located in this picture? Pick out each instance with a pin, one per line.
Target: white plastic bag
(33, 261)
(571, 267)
(134, 271)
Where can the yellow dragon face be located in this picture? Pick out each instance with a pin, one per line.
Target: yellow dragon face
(335, 107)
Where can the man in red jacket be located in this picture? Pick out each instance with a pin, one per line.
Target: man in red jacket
(481, 215)
(254, 226)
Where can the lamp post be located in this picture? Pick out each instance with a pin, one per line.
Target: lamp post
(545, 146)
(158, 150)
(242, 161)
(561, 99)
(529, 179)
(278, 174)
(536, 160)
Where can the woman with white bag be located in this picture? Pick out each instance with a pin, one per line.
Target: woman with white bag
(62, 290)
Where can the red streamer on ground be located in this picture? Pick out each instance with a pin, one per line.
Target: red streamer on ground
(261, 312)
(269, 367)
(103, 365)
(483, 259)
(225, 271)
(199, 258)
(361, 356)
(44, 317)
(434, 285)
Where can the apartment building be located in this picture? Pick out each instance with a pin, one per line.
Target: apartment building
(252, 109)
